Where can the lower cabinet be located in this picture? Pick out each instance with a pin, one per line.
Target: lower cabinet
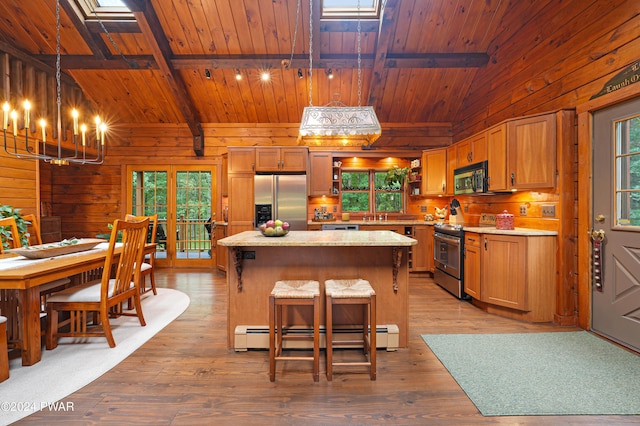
(422, 253)
(221, 251)
(472, 261)
(512, 275)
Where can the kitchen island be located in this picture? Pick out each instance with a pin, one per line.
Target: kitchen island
(256, 262)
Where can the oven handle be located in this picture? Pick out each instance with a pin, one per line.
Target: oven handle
(453, 240)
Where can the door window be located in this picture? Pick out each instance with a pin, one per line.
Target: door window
(627, 165)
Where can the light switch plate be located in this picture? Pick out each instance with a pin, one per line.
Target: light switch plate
(548, 211)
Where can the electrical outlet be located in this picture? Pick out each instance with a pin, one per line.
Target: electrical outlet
(523, 210)
(548, 211)
(335, 209)
(466, 208)
(423, 209)
(249, 254)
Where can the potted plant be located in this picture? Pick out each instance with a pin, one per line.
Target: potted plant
(8, 211)
(396, 176)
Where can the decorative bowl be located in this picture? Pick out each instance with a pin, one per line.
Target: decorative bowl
(274, 228)
(274, 233)
(43, 251)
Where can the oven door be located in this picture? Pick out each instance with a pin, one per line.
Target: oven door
(446, 254)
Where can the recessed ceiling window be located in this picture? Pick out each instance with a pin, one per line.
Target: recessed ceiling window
(105, 10)
(348, 9)
(110, 3)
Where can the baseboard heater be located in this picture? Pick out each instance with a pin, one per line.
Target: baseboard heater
(257, 337)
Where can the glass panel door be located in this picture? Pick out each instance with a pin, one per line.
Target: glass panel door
(193, 210)
(183, 197)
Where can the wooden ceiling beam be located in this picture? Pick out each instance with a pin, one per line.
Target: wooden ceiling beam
(379, 73)
(149, 23)
(96, 44)
(335, 61)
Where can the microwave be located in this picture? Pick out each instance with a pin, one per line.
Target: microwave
(471, 179)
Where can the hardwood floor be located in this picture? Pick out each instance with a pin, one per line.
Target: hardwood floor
(185, 374)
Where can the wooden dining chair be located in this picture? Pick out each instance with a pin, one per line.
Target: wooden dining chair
(14, 242)
(35, 238)
(149, 261)
(103, 296)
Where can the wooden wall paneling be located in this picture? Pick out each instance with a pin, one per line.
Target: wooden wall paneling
(566, 261)
(544, 76)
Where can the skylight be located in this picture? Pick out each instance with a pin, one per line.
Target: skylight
(106, 10)
(110, 3)
(348, 9)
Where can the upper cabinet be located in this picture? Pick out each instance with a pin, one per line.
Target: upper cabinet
(320, 174)
(292, 159)
(452, 162)
(471, 150)
(521, 154)
(241, 160)
(434, 166)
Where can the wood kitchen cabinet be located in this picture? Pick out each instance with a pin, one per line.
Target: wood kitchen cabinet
(518, 273)
(451, 166)
(471, 150)
(497, 158)
(434, 166)
(320, 173)
(241, 160)
(241, 202)
(521, 154)
(292, 159)
(221, 251)
(422, 253)
(472, 262)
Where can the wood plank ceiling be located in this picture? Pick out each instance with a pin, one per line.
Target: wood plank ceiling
(177, 61)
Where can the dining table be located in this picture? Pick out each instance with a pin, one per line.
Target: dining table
(26, 275)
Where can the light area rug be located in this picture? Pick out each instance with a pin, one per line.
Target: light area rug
(565, 373)
(71, 366)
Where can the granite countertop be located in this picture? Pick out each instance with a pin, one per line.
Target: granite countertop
(319, 239)
(390, 222)
(517, 231)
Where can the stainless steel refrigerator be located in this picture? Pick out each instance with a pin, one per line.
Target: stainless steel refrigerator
(281, 197)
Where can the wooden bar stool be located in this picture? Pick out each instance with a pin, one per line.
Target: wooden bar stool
(352, 292)
(4, 351)
(293, 293)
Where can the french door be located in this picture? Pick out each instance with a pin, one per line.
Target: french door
(183, 197)
(616, 222)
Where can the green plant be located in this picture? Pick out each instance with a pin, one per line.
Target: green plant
(5, 232)
(396, 175)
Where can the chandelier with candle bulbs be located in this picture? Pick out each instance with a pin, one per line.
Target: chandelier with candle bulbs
(87, 144)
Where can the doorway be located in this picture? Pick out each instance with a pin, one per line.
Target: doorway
(616, 219)
(183, 197)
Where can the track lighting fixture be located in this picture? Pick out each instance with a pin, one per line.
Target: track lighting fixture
(238, 75)
(330, 73)
(207, 73)
(300, 75)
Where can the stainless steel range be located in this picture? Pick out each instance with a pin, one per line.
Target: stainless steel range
(448, 245)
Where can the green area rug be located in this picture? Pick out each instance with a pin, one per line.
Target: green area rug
(566, 373)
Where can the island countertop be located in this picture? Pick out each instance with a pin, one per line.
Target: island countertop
(320, 239)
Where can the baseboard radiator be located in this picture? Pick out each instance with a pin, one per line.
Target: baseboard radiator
(257, 337)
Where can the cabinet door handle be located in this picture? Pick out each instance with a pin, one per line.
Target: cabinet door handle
(485, 244)
(443, 187)
(471, 239)
(513, 179)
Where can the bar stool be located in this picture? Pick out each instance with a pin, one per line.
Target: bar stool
(4, 351)
(293, 293)
(352, 292)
